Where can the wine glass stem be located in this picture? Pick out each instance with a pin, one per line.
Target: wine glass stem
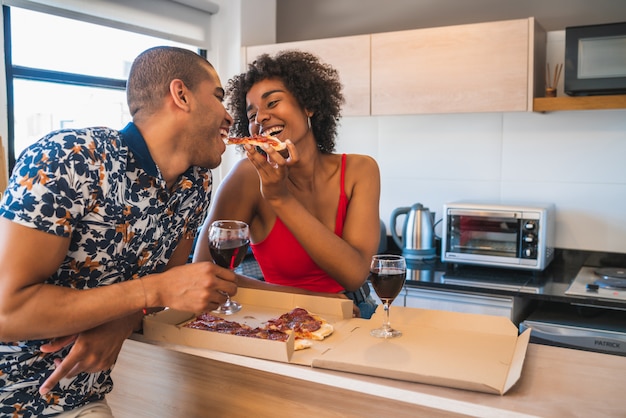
(386, 324)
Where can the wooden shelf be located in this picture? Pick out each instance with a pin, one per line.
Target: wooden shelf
(552, 104)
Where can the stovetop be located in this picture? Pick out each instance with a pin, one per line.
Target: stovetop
(599, 283)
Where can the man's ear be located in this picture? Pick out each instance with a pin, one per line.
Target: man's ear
(179, 94)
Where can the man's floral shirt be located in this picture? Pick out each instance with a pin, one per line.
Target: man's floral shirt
(101, 188)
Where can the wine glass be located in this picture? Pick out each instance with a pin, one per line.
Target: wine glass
(228, 243)
(387, 274)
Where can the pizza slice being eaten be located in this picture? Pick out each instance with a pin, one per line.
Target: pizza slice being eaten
(258, 140)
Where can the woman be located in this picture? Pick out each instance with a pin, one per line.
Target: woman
(313, 214)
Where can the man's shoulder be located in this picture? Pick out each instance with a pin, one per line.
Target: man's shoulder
(99, 135)
(93, 142)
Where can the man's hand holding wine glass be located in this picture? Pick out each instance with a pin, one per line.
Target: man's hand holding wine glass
(193, 287)
(228, 242)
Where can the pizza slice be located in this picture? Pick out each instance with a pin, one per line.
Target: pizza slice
(258, 140)
(306, 327)
(208, 322)
(213, 323)
(304, 324)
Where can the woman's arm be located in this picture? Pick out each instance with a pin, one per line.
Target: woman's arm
(345, 259)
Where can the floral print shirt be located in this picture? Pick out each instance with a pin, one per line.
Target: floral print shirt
(101, 188)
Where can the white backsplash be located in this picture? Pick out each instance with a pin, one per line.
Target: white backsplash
(574, 159)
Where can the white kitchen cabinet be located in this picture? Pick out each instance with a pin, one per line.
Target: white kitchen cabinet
(511, 307)
(484, 67)
(349, 55)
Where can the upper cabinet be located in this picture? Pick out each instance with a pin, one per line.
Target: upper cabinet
(349, 55)
(486, 67)
(483, 67)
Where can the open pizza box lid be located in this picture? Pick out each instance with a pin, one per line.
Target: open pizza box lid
(258, 306)
(476, 352)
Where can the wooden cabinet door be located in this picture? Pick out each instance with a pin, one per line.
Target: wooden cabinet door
(485, 67)
(349, 55)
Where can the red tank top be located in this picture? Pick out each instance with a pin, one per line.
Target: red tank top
(283, 261)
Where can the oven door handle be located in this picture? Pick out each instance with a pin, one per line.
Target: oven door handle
(485, 214)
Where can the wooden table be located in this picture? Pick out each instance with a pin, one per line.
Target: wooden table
(162, 380)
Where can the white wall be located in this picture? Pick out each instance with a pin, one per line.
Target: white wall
(572, 159)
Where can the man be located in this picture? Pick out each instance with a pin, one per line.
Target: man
(96, 226)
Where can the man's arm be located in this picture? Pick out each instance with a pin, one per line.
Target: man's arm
(97, 349)
(28, 257)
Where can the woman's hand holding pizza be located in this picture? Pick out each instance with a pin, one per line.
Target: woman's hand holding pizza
(273, 169)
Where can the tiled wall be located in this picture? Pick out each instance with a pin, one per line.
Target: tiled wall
(574, 159)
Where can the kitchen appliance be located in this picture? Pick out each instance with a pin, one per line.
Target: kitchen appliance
(418, 236)
(584, 325)
(595, 59)
(600, 330)
(599, 283)
(517, 236)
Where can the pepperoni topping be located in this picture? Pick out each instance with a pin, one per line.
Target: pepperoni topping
(299, 321)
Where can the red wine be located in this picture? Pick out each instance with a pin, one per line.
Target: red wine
(229, 254)
(388, 284)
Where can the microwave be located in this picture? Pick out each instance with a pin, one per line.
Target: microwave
(519, 236)
(595, 59)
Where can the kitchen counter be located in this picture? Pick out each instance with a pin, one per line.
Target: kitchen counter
(546, 286)
(162, 380)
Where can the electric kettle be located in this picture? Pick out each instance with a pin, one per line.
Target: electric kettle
(418, 232)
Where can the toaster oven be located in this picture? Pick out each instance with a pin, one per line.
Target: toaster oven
(498, 235)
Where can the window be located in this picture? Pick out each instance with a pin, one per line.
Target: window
(71, 74)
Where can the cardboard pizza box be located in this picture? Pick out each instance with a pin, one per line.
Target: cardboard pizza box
(476, 352)
(258, 306)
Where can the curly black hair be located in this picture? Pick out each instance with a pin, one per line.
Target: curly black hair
(314, 84)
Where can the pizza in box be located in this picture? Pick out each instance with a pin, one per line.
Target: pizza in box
(307, 327)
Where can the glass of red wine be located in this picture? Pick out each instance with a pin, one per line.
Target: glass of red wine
(228, 243)
(387, 275)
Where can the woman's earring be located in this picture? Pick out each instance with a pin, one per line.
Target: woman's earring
(308, 120)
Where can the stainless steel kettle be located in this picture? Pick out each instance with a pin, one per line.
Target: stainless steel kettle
(418, 233)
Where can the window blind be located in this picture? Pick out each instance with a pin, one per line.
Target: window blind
(185, 21)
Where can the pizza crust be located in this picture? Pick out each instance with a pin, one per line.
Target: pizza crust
(325, 330)
(301, 344)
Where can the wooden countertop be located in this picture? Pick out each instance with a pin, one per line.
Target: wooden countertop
(163, 380)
